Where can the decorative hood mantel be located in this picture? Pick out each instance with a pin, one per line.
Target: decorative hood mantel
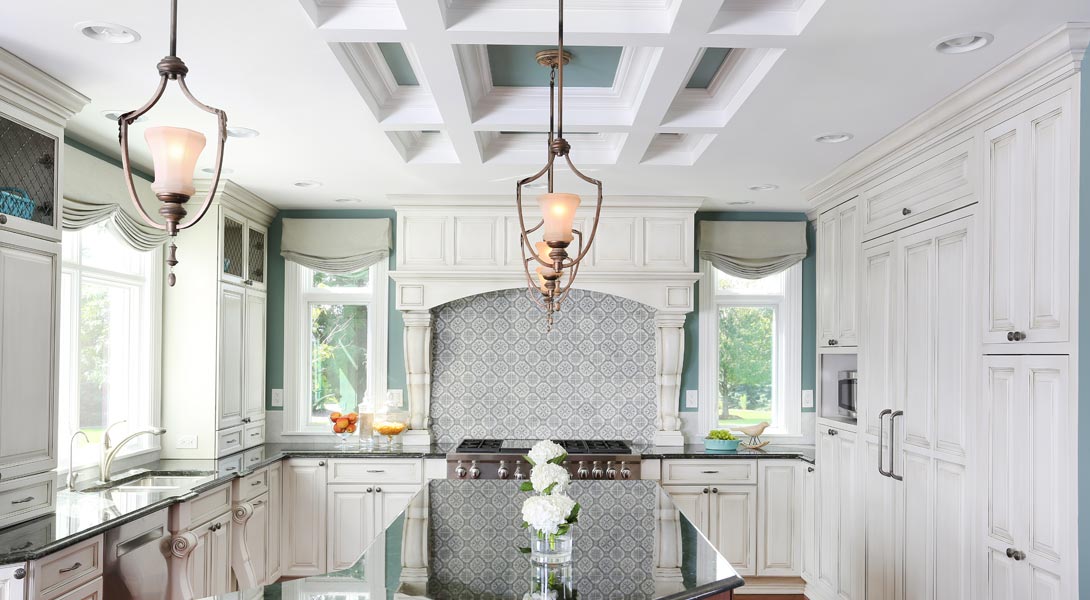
(455, 247)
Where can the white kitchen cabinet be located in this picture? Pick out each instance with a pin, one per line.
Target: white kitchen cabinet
(250, 542)
(779, 518)
(1026, 519)
(29, 278)
(1030, 187)
(837, 266)
(351, 525)
(13, 582)
(809, 523)
(214, 358)
(838, 525)
(727, 516)
(273, 546)
(304, 517)
(208, 568)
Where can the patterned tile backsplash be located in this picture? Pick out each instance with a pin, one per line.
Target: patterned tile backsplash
(490, 378)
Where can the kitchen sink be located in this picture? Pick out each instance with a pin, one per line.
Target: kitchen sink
(152, 482)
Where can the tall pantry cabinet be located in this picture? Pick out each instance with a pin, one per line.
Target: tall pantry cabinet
(214, 330)
(34, 108)
(965, 481)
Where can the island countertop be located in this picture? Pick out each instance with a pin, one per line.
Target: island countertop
(461, 539)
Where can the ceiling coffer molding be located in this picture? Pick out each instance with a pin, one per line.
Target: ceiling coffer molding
(450, 248)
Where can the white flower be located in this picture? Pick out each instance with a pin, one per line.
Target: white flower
(545, 451)
(544, 475)
(547, 513)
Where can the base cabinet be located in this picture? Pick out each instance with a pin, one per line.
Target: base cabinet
(838, 565)
(13, 582)
(304, 545)
(727, 516)
(273, 545)
(208, 568)
(809, 522)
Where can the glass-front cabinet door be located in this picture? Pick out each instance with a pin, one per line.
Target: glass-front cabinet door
(234, 248)
(244, 249)
(256, 251)
(28, 179)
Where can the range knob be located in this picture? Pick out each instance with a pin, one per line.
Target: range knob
(502, 471)
(519, 475)
(460, 471)
(626, 473)
(597, 472)
(611, 473)
(474, 471)
(582, 472)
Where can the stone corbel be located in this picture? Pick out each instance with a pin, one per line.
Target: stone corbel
(670, 354)
(667, 573)
(418, 327)
(241, 561)
(181, 546)
(414, 547)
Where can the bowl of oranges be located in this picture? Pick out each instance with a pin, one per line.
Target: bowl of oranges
(391, 425)
(344, 425)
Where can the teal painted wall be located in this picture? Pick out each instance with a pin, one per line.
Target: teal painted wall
(1084, 334)
(690, 372)
(274, 347)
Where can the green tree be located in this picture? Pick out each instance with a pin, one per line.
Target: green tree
(745, 358)
(94, 354)
(338, 355)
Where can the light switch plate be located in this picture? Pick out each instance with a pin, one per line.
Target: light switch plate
(692, 399)
(187, 442)
(278, 398)
(808, 398)
(393, 398)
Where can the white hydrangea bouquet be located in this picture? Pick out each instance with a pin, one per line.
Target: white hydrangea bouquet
(550, 513)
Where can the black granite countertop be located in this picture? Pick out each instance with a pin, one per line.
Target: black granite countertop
(801, 452)
(461, 539)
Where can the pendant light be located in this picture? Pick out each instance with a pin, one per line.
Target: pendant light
(174, 152)
(554, 268)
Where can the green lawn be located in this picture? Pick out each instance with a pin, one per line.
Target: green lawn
(745, 417)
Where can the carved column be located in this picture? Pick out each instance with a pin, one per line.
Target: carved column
(181, 547)
(670, 353)
(418, 325)
(667, 573)
(414, 547)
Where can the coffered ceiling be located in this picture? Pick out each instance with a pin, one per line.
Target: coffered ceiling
(664, 97)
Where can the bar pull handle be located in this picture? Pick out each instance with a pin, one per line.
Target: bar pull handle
(23, 501)
(892, 437)
(881, 435)
(70, 569)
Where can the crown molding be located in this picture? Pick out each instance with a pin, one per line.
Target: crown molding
(239, 198)
(34, 90)
(401, 202)
(1052, 59)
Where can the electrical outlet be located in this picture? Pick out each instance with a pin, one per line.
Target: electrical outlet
(808, 398)
(187, 442)
(278, 398)
(393, 398)
(692, 399)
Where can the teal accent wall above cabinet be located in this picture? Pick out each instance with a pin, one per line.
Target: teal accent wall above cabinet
(274, 349)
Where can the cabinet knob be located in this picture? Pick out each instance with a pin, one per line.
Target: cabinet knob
(20, 572)
(3, 219)
(705, 490)
(832, 342)
(321, 463)
(378, 490)
(1015, 336)
(833, 431)
(906, 211)
(369, 490)
(809, 469)
(245, 419)
(1016, 554)
(715, 490)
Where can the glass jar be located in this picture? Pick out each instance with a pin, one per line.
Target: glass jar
(550, 549)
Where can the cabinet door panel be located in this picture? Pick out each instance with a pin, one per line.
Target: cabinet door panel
(778, 543)
(951, 549)
(847, 267)
(390, 502)
(877, 351)
(916, 580)
(735, 526)
(953, 346)
(917, 366)
(1001, 403)
(254, 343)
(1044, 451)
(28, 301)
(219, 568)
(849, 521)
(880, 562)
(254, 540)
(275, 531)
(692, 501)
(304, 515)
(10, 587)
(809, 522)
(351, 525)
(1002, 192)
(1000, 574)
(828, 488)
(232, 332)
(828, 263)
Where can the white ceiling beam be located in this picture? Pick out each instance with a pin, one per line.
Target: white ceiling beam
(439, 69)
(669, 73)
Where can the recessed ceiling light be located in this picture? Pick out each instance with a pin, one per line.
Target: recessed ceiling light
(740, 203)
(833, 138)
(307, 183)
(212, 170)
(242, 132)
(962, 43)
(114, 115)
(111, 33)
(348, 200)
(763, 187)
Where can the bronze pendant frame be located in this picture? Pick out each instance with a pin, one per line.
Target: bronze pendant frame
(172, 206)
(551, 298)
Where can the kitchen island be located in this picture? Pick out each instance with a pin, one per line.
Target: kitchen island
(462, 539)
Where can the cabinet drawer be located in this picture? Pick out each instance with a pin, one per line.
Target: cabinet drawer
(366, 470)
(26, 497)
(252, 485)
(65, 570)
(253, 434)
(229, 440)
(252, 457)
(939, 184)
(209, 505)
(91, 590)
(701, 471)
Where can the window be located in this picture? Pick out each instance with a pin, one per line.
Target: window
(751, 343)
(109, 341)
(335, 332)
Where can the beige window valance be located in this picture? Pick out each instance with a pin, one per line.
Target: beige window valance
(336, 245)
(752, 249)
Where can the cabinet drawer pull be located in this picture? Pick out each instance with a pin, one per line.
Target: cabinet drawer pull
(72, 568)
(255, 434)
(258, 482)
(23, 501)
(229, 469)
(376, 470)
(710, 472)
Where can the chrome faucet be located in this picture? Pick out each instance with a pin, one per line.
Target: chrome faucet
(109, 450)
(72, 474)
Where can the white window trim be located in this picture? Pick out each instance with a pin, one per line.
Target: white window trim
(296, 354)
(154, 350)
(788, 370)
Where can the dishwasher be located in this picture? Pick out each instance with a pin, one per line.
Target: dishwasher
(135, 562)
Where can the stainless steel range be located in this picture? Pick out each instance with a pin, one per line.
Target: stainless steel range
(503, 459)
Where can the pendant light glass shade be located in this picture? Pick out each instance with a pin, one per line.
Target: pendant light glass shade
(558, 212)
(174, 154)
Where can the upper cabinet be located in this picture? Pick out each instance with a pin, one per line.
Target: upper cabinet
(1029, 183)
(242, 250)
(29, 178)
(837, 256)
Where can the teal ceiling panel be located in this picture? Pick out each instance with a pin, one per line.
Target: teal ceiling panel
(398, 61)
(516, 66)
(708, 66)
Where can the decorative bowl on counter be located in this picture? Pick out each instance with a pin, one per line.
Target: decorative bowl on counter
(720, 440)
(391, 425)
(344, 425)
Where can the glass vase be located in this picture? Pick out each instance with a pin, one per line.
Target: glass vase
(551, 581)
(550, 549)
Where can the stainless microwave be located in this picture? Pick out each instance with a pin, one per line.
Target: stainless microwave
(846, 391)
